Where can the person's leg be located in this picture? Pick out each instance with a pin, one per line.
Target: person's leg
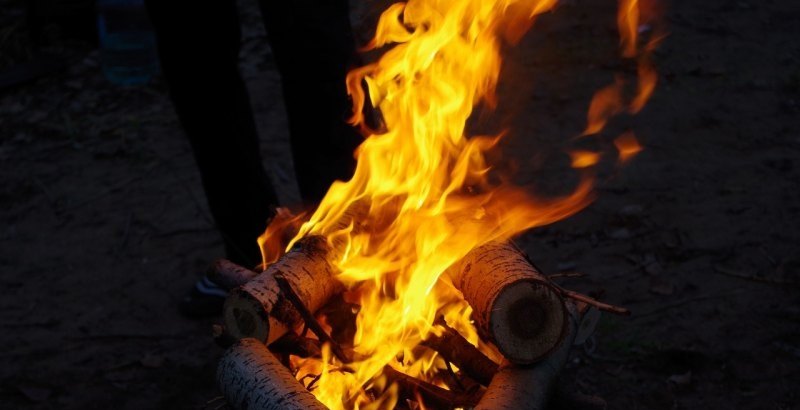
(198, 44)
(313, 45)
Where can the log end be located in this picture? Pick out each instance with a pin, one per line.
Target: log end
(245, 317)
(528, 320)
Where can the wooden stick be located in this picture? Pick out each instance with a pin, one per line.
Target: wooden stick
(455, 349)
(530, 387)
(259, 309)
(309, 319)
(432, 395)
(580, 297)
(294, 344)
(515, 307)
(250, 377)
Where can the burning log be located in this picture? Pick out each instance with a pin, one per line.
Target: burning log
(530, 387)
(259, 309)
(250, 377)
(293, 344)
(309, 319)
(457, 350)
(515, 306)
(431, 394)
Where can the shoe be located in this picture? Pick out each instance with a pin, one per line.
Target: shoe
(205, 299)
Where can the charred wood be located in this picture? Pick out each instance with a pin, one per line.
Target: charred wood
(455, 349)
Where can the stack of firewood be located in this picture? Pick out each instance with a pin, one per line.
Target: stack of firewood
(529, 319)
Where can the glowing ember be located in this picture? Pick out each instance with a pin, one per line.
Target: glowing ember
(423, 183)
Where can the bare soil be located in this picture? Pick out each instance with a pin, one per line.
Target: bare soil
(104, 223)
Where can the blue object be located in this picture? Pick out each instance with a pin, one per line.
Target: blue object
(127, 42)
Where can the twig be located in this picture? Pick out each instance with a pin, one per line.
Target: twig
(309, 318)
(314, 381)
(453, 375)
(596, 303)
(566, 275)
(754, 277)
(319, 376)
(454, 348)
(215, 398)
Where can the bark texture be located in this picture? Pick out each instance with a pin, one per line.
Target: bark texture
(515, 306)
(251, 378)
(258, 309)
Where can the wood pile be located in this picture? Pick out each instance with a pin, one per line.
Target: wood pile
(529, 319)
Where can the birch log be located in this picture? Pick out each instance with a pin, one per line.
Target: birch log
(251, 378)
(258, 310)
(529, 387)
(515, 306)
(229, 275)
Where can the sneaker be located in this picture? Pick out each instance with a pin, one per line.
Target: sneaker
(205, 299)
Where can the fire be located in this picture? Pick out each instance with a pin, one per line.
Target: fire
(421, 191)
(628, 146)
(633, 19)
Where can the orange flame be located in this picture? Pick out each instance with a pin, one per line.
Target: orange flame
(628, 25)
(611, 100)
(424, 183)
(278, 234)
(584, 159)
(628, 146)
(606, 103)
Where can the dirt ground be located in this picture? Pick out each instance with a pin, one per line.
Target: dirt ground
(105, 226)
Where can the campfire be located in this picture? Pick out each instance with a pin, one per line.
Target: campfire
(403, 289)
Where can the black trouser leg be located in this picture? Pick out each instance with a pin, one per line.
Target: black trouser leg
(313, 44)
(198, 44)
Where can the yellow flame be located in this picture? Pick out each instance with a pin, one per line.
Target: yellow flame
(423, 185)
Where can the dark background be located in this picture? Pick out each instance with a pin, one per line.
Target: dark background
(103, 222)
